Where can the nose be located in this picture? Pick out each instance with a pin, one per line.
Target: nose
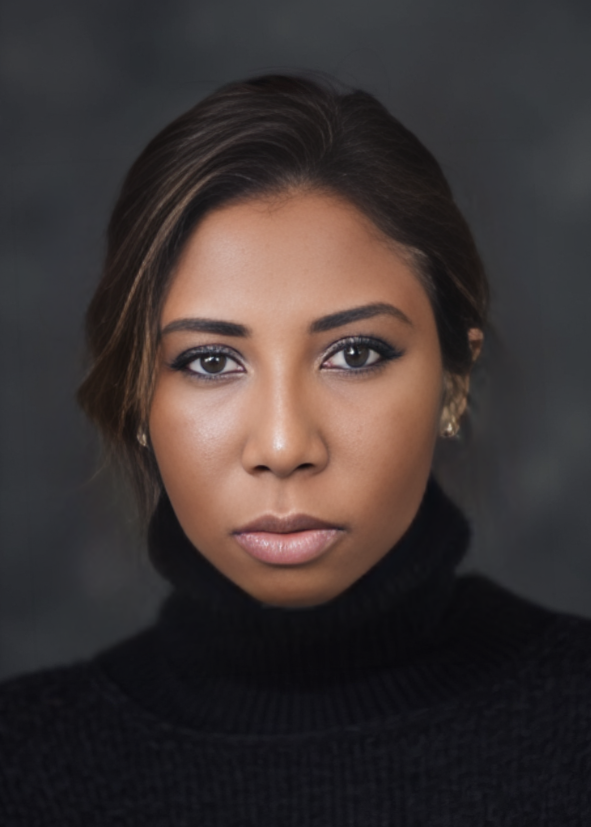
(284, 433)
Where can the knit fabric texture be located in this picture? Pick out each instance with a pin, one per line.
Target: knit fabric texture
(418, 697)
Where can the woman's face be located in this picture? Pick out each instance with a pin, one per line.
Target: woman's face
(298, 396)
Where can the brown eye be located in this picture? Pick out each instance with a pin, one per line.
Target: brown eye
(356, 355)
(213, 363)
(359, 354)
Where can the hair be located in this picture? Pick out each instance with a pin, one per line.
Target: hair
(254, 138)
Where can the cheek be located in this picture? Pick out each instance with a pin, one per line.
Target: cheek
(194, 443)
(390, 424)
(383, 442)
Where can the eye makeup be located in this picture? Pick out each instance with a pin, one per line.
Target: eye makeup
(183, 360)
(355, 344)
(383, 349)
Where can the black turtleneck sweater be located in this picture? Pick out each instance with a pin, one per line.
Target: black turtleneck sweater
(417, 698)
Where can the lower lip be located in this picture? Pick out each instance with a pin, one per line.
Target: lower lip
(287, 549)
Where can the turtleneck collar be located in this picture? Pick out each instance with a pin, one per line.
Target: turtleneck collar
(385, 615)
(406, 634)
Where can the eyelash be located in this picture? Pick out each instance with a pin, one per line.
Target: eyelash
(386, 352)
(182, 362)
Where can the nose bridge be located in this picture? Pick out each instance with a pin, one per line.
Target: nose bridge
(283, 432)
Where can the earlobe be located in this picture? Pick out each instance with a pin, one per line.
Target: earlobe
(456, 390)
(455, 403)
(451, 428)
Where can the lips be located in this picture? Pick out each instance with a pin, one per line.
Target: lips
(285, 525)
(288, 540)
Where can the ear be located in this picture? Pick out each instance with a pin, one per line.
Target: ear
(475, 340)
(456, 388)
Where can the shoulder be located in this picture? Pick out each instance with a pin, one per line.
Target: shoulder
(536, 649)
(63, 733)
(546, 684)
(74, 700)
(547, 710)
(563, 654)
(565, 644)
(44, 700)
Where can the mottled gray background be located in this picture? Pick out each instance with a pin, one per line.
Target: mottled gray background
(499, 90)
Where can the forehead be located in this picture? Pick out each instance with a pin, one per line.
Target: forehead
(289, 258)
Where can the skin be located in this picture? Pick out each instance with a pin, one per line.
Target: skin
(287, 427)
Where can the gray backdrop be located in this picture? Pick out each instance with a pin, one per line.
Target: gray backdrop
(500, 92)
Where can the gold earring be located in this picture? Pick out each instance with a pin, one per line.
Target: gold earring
(451, 428)
(142, 438)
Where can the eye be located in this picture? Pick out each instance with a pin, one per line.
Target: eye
(360, 353)
(353, 356)
(208, 364)
(212, 364)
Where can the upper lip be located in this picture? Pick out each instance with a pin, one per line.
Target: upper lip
(285, 524)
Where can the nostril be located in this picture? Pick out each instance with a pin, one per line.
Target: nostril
(281, 450)
(303, 466)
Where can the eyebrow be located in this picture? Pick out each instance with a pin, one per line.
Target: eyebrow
(355, 314)
(214, 326)
(321, 325)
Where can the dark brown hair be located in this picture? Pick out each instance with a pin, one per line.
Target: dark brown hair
(258, 137)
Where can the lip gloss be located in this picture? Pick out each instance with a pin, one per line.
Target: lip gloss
(287, 549)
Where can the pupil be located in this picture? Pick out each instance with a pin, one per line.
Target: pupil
(214, 363)
(356, 356)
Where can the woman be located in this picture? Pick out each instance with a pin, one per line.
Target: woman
(289, 312)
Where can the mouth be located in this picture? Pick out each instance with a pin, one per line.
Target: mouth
(289, 540)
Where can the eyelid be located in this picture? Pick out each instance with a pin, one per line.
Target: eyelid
(185, 358)
(385, 349)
